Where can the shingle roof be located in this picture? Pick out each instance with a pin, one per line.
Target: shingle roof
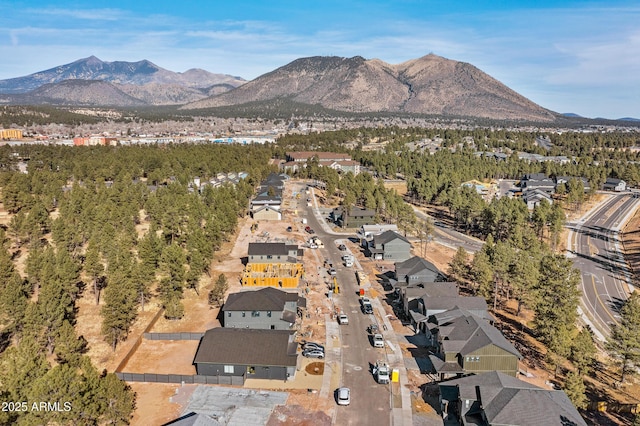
(472, 303)
(415, 265)
(467, 334)
(508, 401)
(387, 236)
(246, 346)
(266, 299)
(276, 249)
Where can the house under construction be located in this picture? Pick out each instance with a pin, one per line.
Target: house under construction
(272, 274)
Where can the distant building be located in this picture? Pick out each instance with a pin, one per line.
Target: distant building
(341, 162)
(612, 184)
(10, 134)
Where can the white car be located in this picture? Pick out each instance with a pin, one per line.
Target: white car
(343, 319)
(344, 396)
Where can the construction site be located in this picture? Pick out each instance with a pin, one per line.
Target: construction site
(282, 275)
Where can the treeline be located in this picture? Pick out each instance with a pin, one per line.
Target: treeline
(121, 223)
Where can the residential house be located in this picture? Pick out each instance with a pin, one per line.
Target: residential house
(495, 398)
(565, 180)
(273, 253)
(355, 217)
(367, 232)
(267, 308)
(467, 344)
(266, 212)
(410, 295)
(538, 181)
(341, 162)
(429, 306)
(389, 246)
(612, 184)
(534, 197)
(266, 198)
(246, 353)
(416, 270)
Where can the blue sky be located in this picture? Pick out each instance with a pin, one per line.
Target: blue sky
(568, 56)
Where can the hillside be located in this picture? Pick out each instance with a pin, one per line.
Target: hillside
(430, 85)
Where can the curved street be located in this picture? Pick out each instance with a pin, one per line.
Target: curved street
(595, 247)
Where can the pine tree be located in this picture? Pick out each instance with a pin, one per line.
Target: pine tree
(220, 287)
(575, 389)
(624, 342)
(459, 265)
(94, 268)
(119, 398)
(583, 351)
(557, 302)
(69, 347)
(119, 310)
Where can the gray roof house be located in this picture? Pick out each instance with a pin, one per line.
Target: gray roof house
(495, 398)
(354, 217)
(389, 246)
(273, 253)
(416, 270)
(411, 294)
(476, 305)
(469, 344)
(534, 197)
(537, 181)
(245, 353)
(565, 180)
(612, 184)
(267, 308)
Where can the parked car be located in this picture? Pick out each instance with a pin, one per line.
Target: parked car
(332, 271)
(313, 353)
(378, 341)
(343, 319)
(342, 247)
(308, 229)
(343, 396)
(312, 346)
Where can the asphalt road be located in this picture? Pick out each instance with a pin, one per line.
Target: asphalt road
(370, 401)
(595, 246)
(448, 237)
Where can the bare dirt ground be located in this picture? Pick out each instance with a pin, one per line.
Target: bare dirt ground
(303, 407)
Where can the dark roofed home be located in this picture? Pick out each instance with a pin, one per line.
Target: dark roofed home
(247, 353)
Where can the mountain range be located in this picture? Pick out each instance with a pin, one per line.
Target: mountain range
(430, 85)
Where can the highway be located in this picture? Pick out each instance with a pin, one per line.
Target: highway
(595, 247)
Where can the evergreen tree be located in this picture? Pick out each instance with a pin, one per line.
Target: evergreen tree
(22, 366)
(220, 287)
(557, 303)
(69, 347)
(120, 400)
(583, 351)
(624, 342)
(119, 310)
(94, 268)
(459, 265)
(575, 389)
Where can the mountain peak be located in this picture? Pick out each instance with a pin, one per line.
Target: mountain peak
(427, 85)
